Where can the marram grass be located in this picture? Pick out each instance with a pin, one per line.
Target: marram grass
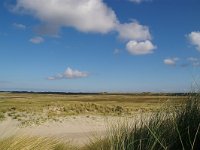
(33, 143)
(178, 129)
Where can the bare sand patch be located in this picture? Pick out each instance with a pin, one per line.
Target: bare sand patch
(76, 129)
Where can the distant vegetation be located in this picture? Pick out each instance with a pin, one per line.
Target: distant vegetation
(100, 93)
(36, 108)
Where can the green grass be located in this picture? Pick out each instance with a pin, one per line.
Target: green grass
(175, 130)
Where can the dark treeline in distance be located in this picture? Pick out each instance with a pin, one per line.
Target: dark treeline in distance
(103, 93)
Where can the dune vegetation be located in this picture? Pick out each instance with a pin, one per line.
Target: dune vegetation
(33, 143)
(173, 127)
(174, 130)
(34, 108)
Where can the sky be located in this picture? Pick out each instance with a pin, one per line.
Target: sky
(99, 45)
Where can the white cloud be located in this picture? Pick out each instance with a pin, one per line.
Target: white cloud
(70, 74)
(133, 31)
(36, 40)
(84, 15)
(194, 38)
(139, 38)
(140, 48)
(19, 26)
(171, 61)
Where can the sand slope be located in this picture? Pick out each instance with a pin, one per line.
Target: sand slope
(76, 129)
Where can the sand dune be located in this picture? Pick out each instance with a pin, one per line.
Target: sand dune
(76, 129)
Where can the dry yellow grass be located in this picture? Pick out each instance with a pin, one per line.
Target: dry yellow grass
(37, 108)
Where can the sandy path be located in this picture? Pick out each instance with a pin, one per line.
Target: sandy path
(77, 129)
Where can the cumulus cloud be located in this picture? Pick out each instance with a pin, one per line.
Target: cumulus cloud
(36, 40)
(69, 74)
(92, 16)
(171, 61)
(194, 38)
(19, 26)
(84, 15)
(133, 31)
(140, 48)
(138, 37)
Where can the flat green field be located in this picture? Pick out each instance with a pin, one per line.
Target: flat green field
(37, 108)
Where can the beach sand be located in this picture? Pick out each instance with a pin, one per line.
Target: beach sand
(75, 129)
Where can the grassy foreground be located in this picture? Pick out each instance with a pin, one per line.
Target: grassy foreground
(33, 143)
(177, 129)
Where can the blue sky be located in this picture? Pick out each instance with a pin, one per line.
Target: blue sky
(99, 45)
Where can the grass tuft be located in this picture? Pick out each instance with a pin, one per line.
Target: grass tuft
(33, 143)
